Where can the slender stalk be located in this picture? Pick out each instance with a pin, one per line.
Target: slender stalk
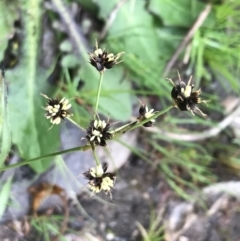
(95, 157)
(98, 94)
(75, 123)
(135, 124)
(80, 148)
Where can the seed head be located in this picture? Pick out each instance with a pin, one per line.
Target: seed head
(57, 110)
(98, 132)
(184, 96)
(102, 60)
(100, 180)
(144, 114)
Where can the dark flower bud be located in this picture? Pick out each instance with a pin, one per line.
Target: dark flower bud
(184, 96)
(102, 60)
(144, 114)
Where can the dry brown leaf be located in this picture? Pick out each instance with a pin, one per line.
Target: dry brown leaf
(42, 191)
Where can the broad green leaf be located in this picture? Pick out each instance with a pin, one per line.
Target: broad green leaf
(135, 27)
(181, 13)
(5, 135)
(29, 127)
(4, 195)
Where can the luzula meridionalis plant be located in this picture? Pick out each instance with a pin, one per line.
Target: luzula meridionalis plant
(99, 132)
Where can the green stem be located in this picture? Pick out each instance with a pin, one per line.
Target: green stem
(80, 148)
(95, 157)
(98, 94)
(135, 124)
(157, 114)
(75, 123)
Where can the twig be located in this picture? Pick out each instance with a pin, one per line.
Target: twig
(199, 136)
(111, 18)
(201, 18)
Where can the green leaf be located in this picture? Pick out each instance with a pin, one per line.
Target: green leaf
(181, 13)
(29, 127)
(5, 135)
(4, 195)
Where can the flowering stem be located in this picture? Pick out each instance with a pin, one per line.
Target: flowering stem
(80, 148)
(75, 123)
(157, 114)
(117, 132)
(98, 94)
(135, 124)
(95, 156)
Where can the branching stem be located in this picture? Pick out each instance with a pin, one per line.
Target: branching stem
(117, 132)
(135, 124)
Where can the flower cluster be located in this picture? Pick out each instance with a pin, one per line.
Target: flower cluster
(100, 180)
(98, 132)
(144, 114)
(184, 96)
(102, 60)
(57, 110)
